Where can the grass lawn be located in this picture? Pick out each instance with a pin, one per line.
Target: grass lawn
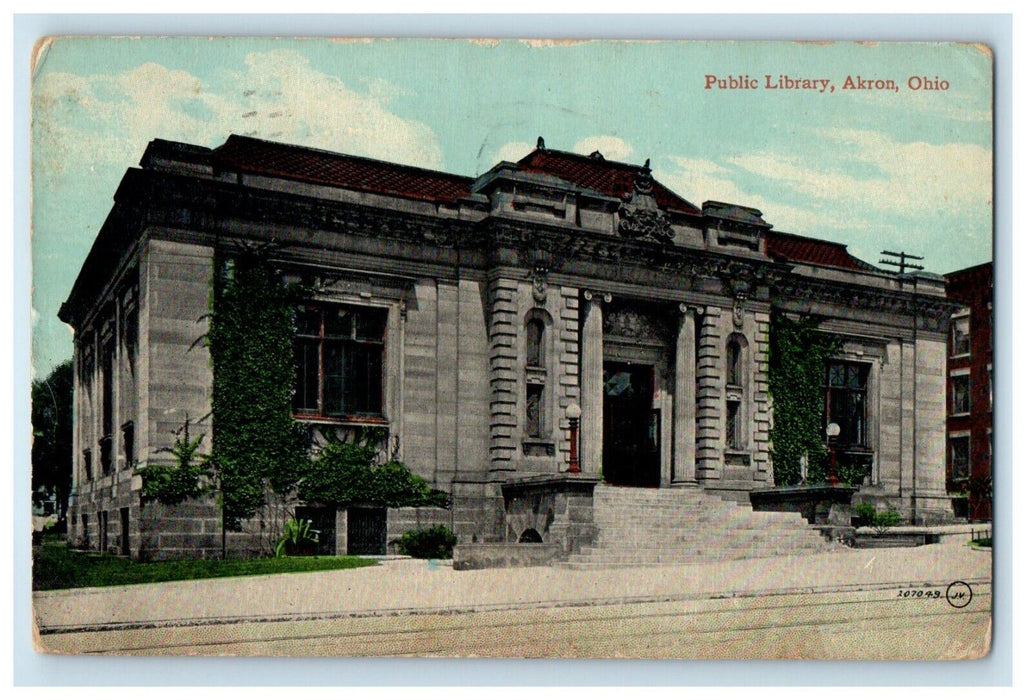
(56, 566)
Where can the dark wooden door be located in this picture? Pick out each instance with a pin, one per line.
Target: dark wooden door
(631, 428)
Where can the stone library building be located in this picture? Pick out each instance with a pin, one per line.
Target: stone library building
(561, 344)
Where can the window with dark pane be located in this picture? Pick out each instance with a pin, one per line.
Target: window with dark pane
(960, 457)
(733, 425)
(338, 360)
(534, 410)
(535, 343)
(961, 340)
(846, 402)
(960, 398)
(734, 362)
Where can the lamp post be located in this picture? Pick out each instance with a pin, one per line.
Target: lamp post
(832, 430)
(573, 414)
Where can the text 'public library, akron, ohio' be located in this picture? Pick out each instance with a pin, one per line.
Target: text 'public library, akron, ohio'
(474, 321)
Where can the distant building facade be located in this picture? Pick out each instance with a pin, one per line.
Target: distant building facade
(477, 311)
(970, 393)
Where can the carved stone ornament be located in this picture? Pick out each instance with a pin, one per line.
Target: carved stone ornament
(540, 264)
(738, 310)
(539, 288)
(640, 216)
(626, 323)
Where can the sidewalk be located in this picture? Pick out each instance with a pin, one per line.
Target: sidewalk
(403, 586)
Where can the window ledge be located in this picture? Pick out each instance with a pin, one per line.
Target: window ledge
(966, 414)
(344, 420)
(538, 447)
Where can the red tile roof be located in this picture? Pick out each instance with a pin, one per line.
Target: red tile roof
(610, 178)
(326, 168)
(792, 248)
(605, 176)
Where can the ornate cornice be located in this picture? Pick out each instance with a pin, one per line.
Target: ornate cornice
(926, 313)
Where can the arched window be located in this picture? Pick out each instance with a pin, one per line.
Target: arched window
(535, 343)
(734, 360)
(735, 392)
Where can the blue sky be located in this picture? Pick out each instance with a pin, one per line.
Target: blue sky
(907, 170)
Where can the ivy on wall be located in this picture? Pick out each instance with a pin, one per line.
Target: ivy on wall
(799, 353)
(256, 443)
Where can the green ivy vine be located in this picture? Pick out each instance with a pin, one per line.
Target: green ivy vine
(798, 357)
(256, 443)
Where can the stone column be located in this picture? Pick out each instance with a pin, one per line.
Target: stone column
(685, 400)
(592, 386)
(709, 455)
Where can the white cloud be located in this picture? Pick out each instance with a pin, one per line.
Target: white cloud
(611, 147)
(699, 180)
(104, 120)
(954, 178)
(512, 151)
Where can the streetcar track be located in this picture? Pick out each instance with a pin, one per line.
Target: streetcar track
(45, 630)
(394, 636)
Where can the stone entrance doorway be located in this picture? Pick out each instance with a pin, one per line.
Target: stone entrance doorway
(631, 426)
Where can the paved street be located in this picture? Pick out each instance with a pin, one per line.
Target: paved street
(870, 604)
(871, 625)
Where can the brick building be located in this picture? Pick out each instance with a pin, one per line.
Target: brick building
(970, 371)
(490, 307)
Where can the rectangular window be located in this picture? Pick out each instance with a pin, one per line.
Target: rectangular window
(338, 360)
(960, 457)
(846, 402)
(534, 410)
(87, 464)
(960, 400)
(733, 425)
(129, 444)
(85, 531)
(961, 339)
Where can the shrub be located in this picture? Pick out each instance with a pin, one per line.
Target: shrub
(296, 537)
(865, 515)
(885, 520)
(432, 543)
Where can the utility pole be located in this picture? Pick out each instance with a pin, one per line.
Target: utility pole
(901, 261)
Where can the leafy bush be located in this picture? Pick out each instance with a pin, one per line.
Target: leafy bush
(172, 484)
(865, 515)
(296, 537)
(432, 543)
(885, 520)
(346, 473)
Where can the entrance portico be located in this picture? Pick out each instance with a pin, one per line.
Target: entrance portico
(638, 391)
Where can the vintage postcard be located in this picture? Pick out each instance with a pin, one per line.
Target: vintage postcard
(515, 349)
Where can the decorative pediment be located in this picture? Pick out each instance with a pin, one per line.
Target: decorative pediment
(639, 215)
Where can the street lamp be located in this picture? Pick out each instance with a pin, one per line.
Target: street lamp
(573, 414)
(832, 430)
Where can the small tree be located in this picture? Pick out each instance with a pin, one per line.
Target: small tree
(52, 434)
(186, 478)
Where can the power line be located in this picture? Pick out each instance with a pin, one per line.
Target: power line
(901, 261)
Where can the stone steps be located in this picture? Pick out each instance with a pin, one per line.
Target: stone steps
(639, 527)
